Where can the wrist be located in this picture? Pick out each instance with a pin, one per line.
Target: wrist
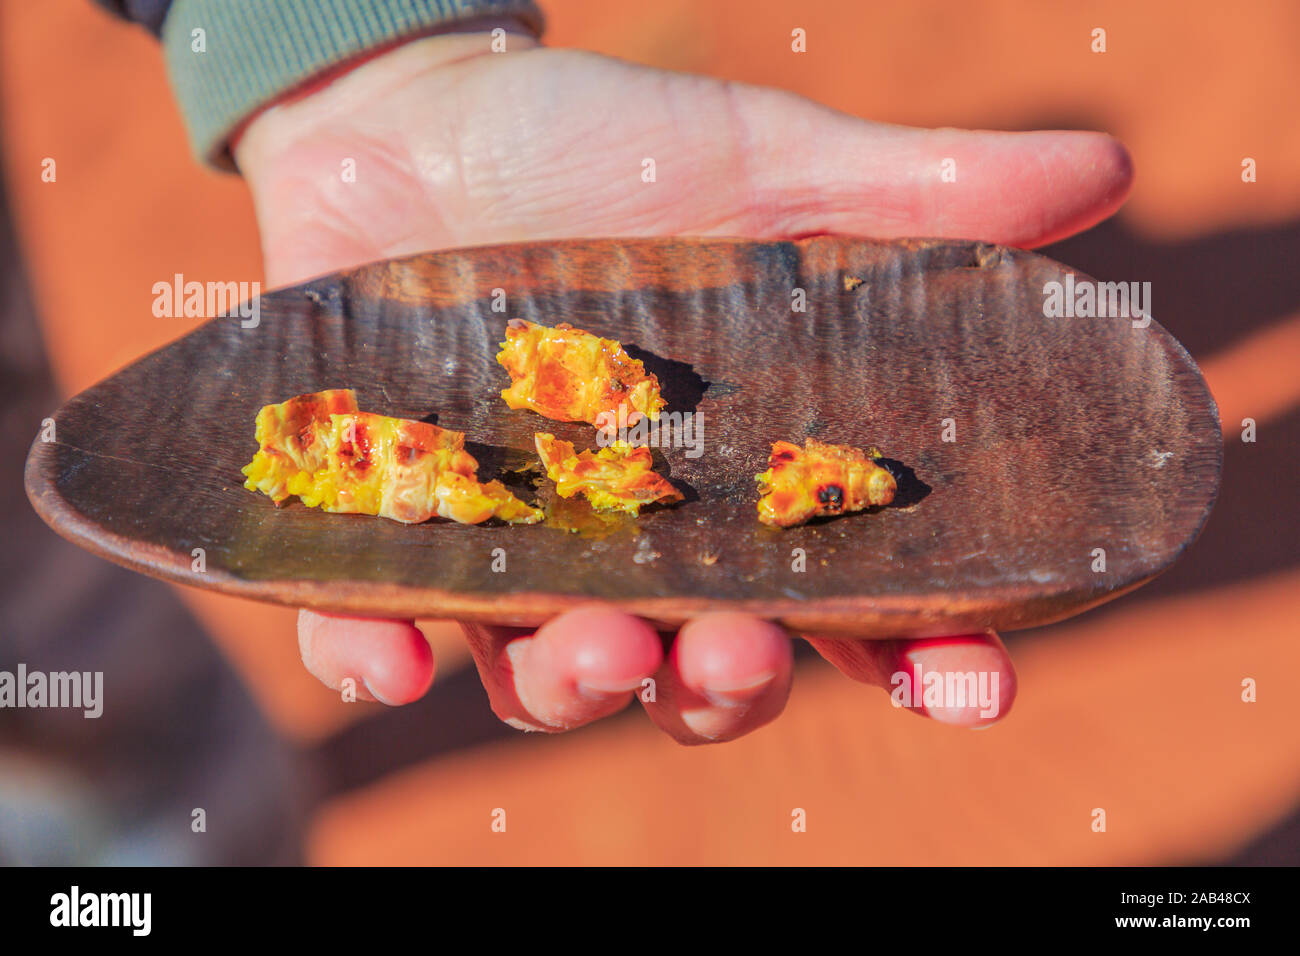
(300, 114)
(228, 58)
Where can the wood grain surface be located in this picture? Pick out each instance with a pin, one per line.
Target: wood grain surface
(1072, 434)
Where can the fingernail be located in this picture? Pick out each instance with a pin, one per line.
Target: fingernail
(600, 688)
(725, 695)
(365, 681)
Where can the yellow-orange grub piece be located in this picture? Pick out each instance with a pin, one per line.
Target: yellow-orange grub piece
(320, 448)
(820, 479)
(617, 478)
(570, 375)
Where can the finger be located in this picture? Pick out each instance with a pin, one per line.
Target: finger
(729, 159)
(967, 680)
(578, 667)
(726, 675)
(816, 171)
(390, 661)
(735, 159)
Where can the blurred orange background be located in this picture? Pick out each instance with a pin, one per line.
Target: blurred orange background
(1136, 708)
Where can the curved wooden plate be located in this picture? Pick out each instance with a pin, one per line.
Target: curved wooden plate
(1071, 435)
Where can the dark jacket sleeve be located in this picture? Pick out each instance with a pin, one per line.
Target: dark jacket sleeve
(228, 58)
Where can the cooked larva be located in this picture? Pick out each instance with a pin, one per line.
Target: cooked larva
(320, 448)
(570, 375)
(620, 477)
(820, 479)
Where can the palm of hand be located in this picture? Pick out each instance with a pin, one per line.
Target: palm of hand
(440, 143)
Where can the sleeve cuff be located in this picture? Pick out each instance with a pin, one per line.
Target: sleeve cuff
(250, 52)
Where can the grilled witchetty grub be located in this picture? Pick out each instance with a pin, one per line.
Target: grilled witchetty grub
(820, 479)
(619, 477)
(320, 448)
(573, 376)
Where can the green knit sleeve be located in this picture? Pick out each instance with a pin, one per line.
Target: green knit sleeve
(227, 58)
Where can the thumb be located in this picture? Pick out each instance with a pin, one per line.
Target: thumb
(807, 169)
(548, 143)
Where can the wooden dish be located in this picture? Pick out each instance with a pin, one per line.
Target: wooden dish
(1074, 437)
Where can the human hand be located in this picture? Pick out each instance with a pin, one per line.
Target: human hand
(456, 146)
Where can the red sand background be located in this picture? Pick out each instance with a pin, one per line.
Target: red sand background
(1135, 709)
